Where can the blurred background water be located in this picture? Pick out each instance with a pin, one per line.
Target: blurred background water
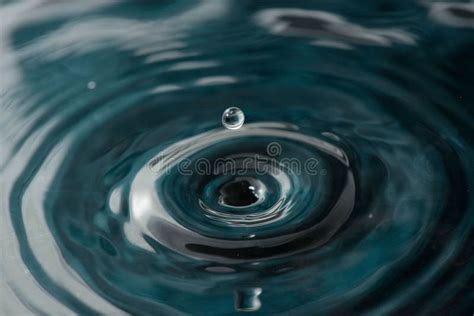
(359, 112)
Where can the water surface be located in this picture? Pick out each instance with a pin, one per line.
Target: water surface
(349, 188)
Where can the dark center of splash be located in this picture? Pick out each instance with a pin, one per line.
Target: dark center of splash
(239, 193)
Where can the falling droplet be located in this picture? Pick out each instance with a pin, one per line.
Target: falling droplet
(247, 300)
(233, 118)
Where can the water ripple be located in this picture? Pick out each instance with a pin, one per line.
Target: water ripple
(348, 189)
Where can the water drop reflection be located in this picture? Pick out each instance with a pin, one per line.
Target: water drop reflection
(247, 300)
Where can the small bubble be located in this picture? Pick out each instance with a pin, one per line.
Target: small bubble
(233, 118)
(91, 85)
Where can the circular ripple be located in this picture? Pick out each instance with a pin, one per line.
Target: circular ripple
(168, 203)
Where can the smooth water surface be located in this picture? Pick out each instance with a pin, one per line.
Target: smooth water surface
(125, 187)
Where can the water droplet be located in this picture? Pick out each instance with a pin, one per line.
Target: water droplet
(233, 118)
(247, 300)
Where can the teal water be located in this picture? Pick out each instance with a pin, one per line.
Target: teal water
(348, 190)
